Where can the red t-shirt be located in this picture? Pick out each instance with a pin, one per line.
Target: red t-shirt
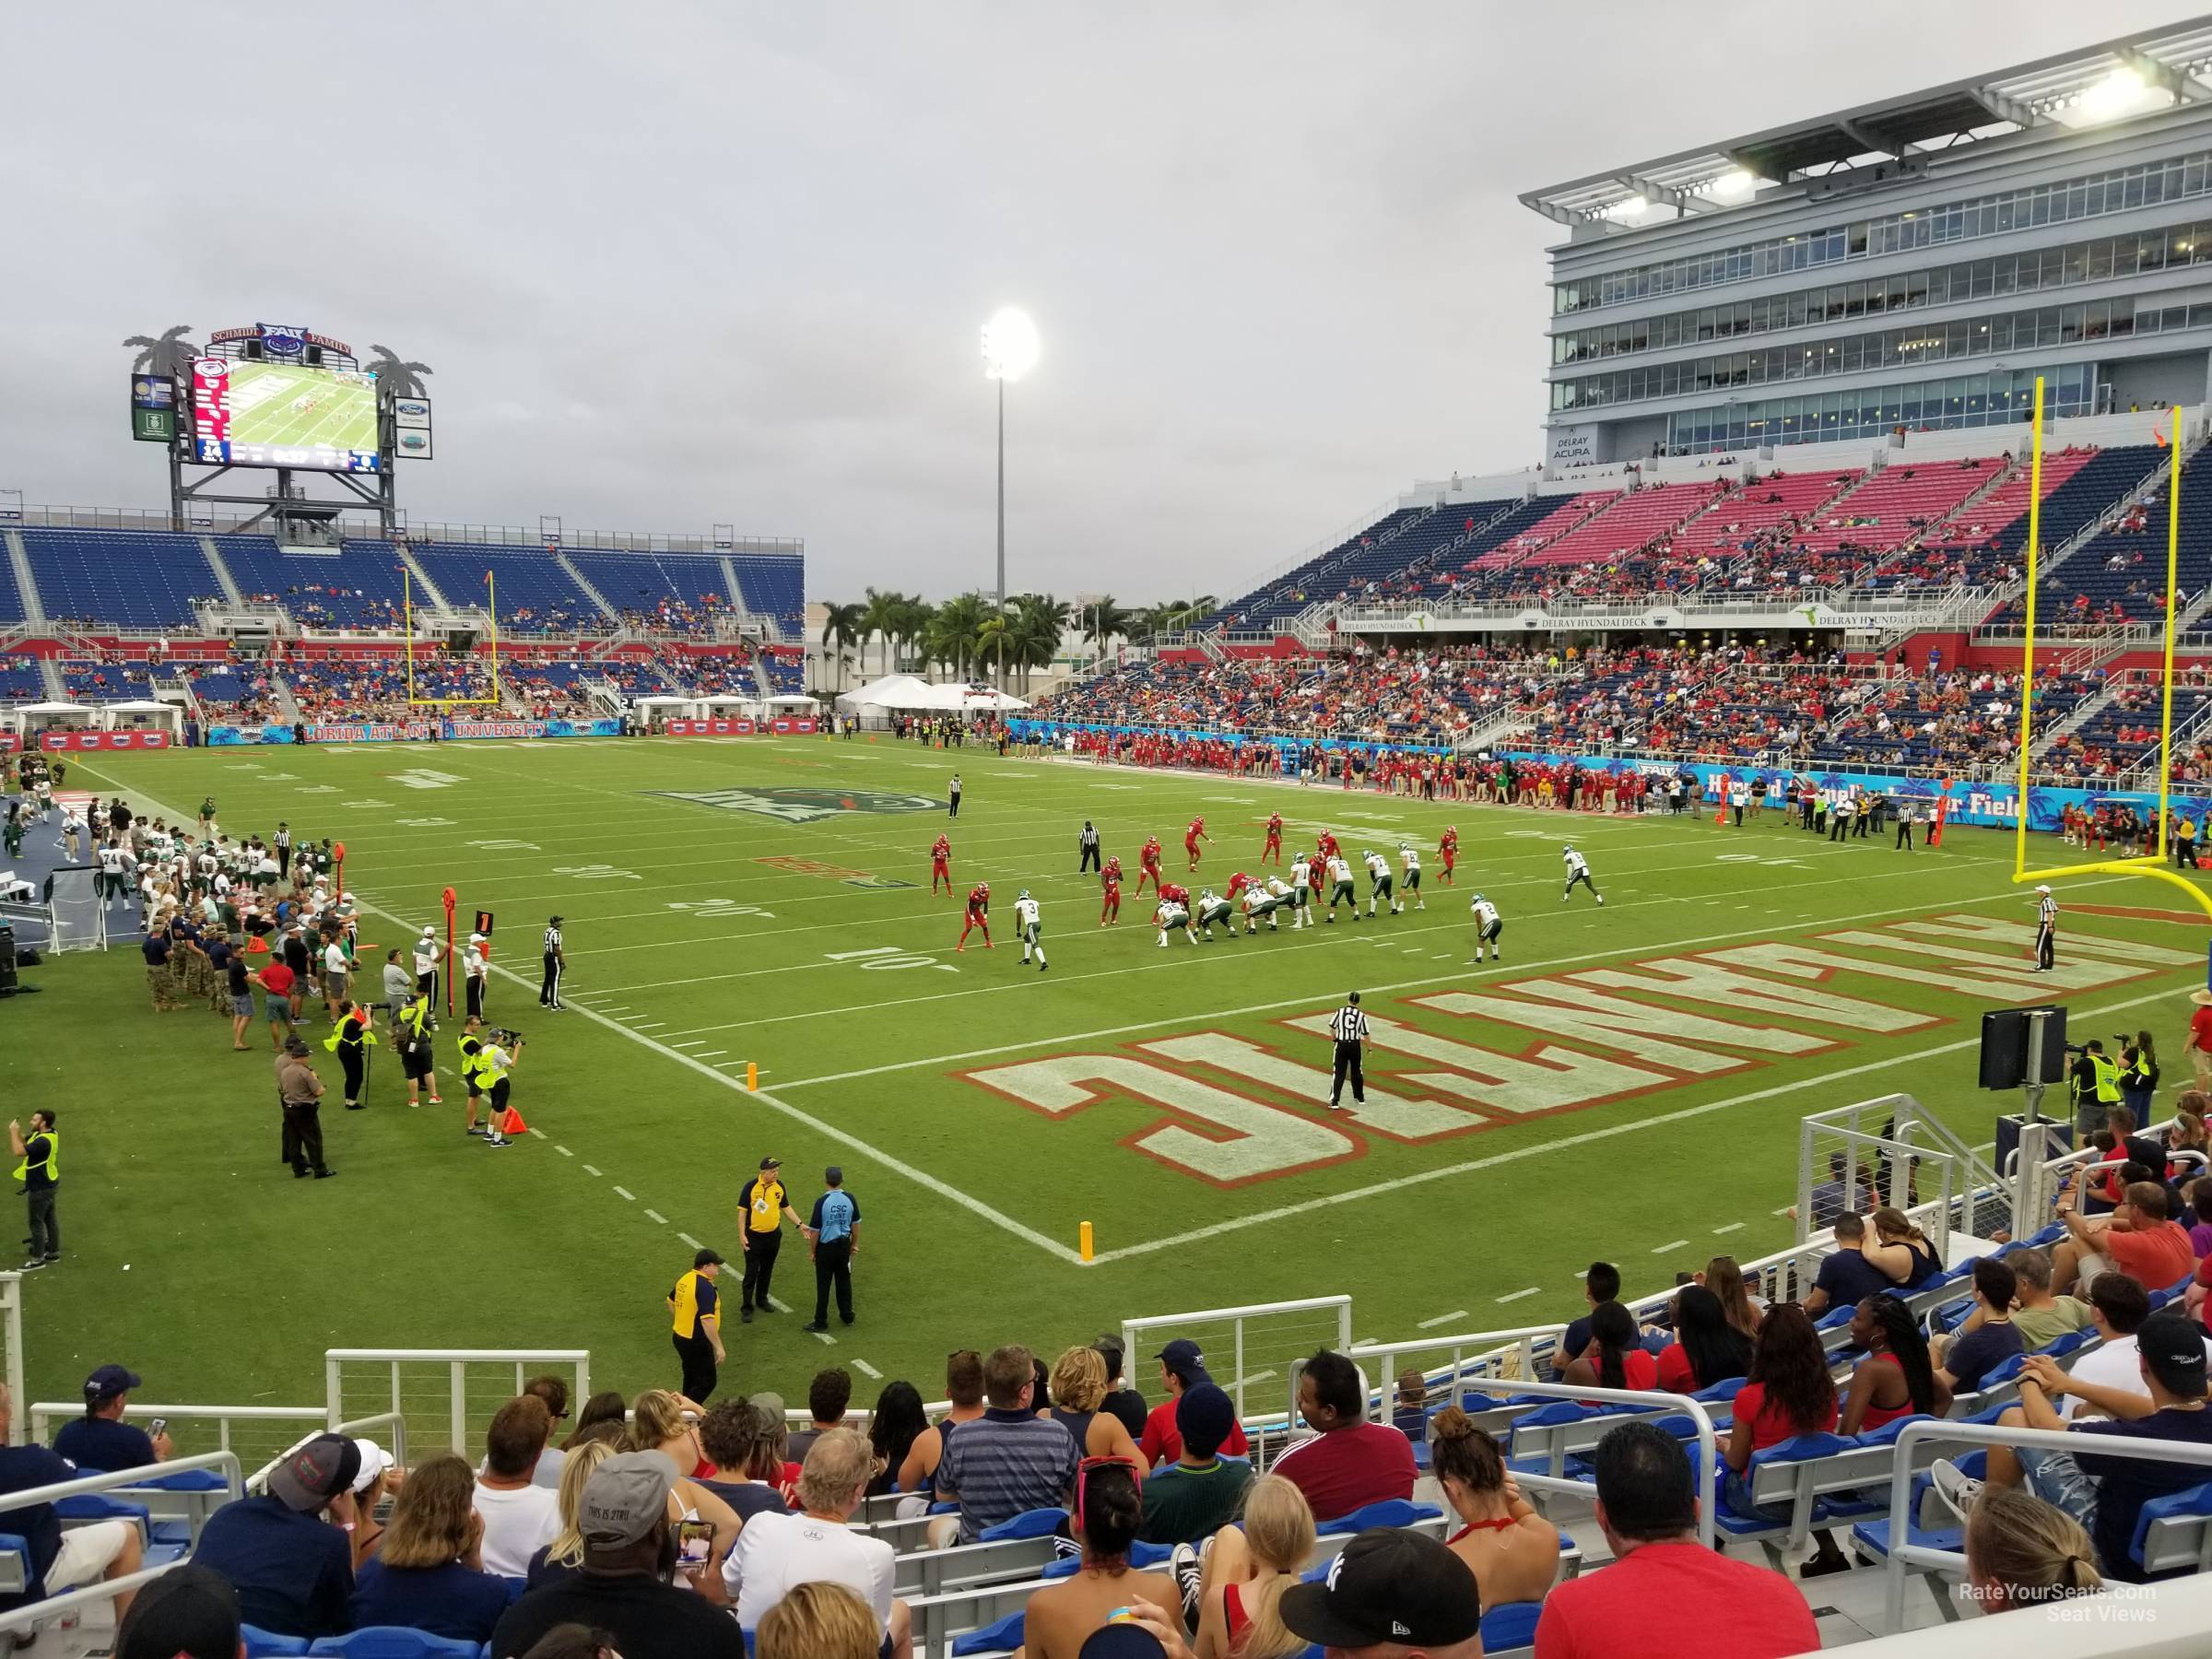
(1162, 1442)
(2154, 1259)
(1700, 1591)
(2200, 1029)
(1769, 1428)
(1675, 1373)
(1348, 1468)
(277, 980)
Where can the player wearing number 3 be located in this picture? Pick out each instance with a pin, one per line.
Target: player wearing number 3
(1028, 922)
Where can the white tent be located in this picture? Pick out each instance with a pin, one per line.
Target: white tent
(906, 693)
(144, 715)
(33, 718)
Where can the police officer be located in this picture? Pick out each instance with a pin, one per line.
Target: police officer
(696, 1309)
(764, 1204)
(1347, 1031)
(1087, 844)
(833, 1231)
(549, 990)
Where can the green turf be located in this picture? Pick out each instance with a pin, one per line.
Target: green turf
(237, 1277)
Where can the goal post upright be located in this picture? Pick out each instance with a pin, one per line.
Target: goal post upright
(2035, 554)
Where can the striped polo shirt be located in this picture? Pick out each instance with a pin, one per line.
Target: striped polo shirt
(1005, 1464)
(1348, 1024)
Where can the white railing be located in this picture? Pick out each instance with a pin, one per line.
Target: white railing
(1266, 1333)
(21, 1621)
(256, 1433)
(446, 1396)
(392, 1424)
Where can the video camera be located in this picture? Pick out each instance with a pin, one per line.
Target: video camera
(506, 1037)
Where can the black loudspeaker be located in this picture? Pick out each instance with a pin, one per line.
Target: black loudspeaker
(315, 357)
(253, 351)
(2004, 1047)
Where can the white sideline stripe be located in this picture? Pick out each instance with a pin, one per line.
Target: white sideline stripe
(823, 1337)
(658, 1217)
(1533, 966)
(627, 1194)
(688, 1239)
(1517, 1295)
(589, 1171)
(1429, 1324)
(1656, 1249)
(1561, 1143)
(867, 1370)
(1732, 1227)
(1254, 1377)
(563, 1150)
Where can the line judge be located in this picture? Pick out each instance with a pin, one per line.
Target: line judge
(1347, 1031)
(556, 962)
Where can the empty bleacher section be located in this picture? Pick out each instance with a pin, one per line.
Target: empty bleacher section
(357, 587)
(2118, 575)
(1281, 597)
(773, 585)
(11, 598)
(145, 580)
(674, 592)
(21, 680)
(533, 593)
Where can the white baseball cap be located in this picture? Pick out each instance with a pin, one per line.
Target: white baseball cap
(2042, 889)
(429, 932)
(375, 1460)
(476, 938)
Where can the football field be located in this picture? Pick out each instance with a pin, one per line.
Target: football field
(1626, 1084)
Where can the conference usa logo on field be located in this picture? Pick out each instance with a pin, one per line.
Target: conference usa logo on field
(801, 805)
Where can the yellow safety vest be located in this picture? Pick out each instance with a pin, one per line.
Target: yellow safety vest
(2108, 1080)
(488, 1071)
(417, 1015)
(51, 1168)
(337, 1035)
(470, 1048)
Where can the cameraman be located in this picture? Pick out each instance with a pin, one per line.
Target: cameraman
(2093, 1080)
(495, 1060)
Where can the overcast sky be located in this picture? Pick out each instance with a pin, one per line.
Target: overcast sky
(681, 264)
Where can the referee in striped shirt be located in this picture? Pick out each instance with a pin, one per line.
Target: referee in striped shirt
(549, 990)
(1348, 1030)
(2047, 930)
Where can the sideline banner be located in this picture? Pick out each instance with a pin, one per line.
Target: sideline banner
(54, 742)
(411, 731)
(709, 729)
(9, 743)
(791, 724)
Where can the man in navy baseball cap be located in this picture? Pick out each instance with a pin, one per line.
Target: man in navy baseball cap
(1182, 1367)
(100, 1439)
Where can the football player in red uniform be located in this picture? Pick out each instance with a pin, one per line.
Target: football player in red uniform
(1111, 880)
(1274, 839)
(979, 914)
(1329, 849)
(1448, 850)
(940, 864)
(1238, 882)
(1191, 837)
(1175, 894)
(1147, 865)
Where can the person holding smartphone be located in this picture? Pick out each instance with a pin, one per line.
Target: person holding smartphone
(100, 1441)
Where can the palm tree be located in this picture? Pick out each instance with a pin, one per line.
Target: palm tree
(1037, 625)
(955, 630)
(878, 614)
(911, 617)
(844, 625)
(1102, 619)
(167, 354)
(400, 379)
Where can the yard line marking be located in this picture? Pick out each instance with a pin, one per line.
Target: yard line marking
(589, 1171)
(1562, 1143)
(1533, 966)
(650, 1025)
(694, 1042)
(708, 1053)
(1254, 1377)
(1659, 1248)
(1516, 1295)
(563, 1150)
(823, 1337)
(688, 1239)
(1784, 1210)
(866, 1369)
(1732, 1227)
(628, 1195)
(658, 1217)
(1442, 1319)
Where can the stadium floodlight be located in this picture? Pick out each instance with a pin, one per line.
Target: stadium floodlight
(1010, 345)
(1736, 182)
(1010, 349)
(1628, 208)
(2111, 96)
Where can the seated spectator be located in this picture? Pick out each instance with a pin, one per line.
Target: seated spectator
(776, 1553)
(562, 1557)
(1987, 1338)
(1410, 1416)
(627, 1521)
(1010, 1460)
(1182, 1366)
(1896, 1378)
(732, 1436)
(2136, 1239)
(188, 1613)
(519, 1515)
(1240, 1586)
(1108, 1505)
(1615, 1357)
(2118, 1306)
(1078, 1391)
(1706, 1349)
(2040, 1317)
(964, 1388)
(1199, 1492)
(59, 1561)
(555, 1394)
(101, 1441)
(2106, 1494)
(2022, 1552)
(1898, 1250)
(378, 1478)
(608, 1405)
(1350, 1463)
(1846, 1277)
(1726, 1280)
(893, 1427)
(1790, 1392)
(1393, 1593)
(819, 1621)
(1513, 1551)
(1601, 1284)
(429, 1572)
(1124, 1401)
(1666, 1595)
(293, 1573)
(827, 1397)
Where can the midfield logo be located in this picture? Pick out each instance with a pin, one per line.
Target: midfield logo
(798, 805)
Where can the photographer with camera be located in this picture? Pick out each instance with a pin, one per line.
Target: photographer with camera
(499, 1052)
(2093, 1080)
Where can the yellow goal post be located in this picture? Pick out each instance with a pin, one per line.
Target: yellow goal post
(491, 610)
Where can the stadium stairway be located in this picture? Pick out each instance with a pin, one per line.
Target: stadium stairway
(420, 576)
(19, 595)
(228, 583)
(591, 593)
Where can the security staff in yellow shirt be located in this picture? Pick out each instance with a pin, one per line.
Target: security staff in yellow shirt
(695, 1309)
(765, 1204)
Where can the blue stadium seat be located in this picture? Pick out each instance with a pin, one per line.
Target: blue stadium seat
(1141, 1554)
(993, 1637)
(2192, 1505)
(1510, 1626)
(267, 1644)
(1030, 1524)
(395, 1641)
(532, 592)
(360, 585)
(1391, 1511)
(122, 578)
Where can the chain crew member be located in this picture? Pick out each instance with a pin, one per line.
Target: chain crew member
(695, 1305)
(765, 1204)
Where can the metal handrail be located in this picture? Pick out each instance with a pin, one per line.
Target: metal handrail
(39, 1612)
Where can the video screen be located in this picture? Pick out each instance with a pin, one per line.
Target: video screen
(251, 414)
